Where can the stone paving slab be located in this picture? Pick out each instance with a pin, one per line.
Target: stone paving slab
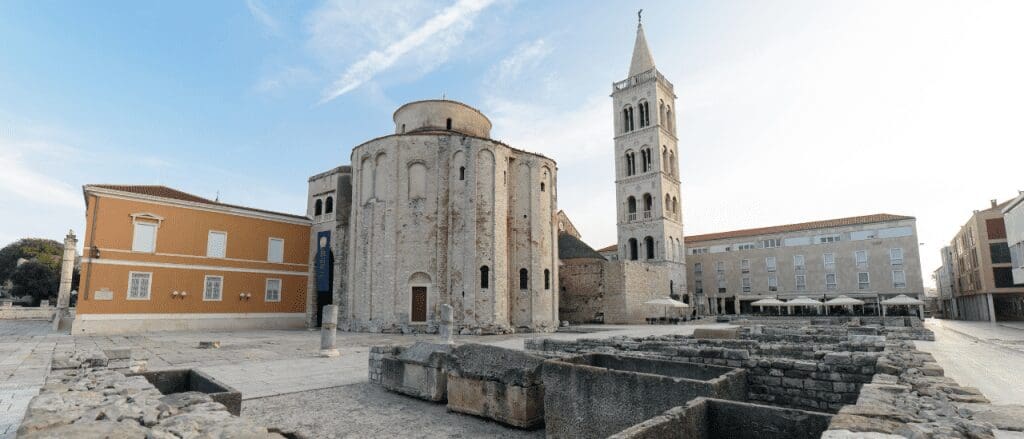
(969, 355)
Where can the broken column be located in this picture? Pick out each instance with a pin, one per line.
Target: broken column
(67, 270)
(328, 332)
(447, 318)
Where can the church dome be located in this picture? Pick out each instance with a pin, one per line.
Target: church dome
(441, 115)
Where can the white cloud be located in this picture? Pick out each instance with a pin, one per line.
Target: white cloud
(443, 31)
(260, 14)
(526, 56)
(23, 181)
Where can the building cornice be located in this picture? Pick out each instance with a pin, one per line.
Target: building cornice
(230, 210)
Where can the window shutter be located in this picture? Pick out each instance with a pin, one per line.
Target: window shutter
(143, 239)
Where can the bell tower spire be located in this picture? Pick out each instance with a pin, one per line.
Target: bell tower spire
(642, 58)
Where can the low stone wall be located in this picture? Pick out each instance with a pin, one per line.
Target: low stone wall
(27, 313)
(377, 355)
(706, 418)
(419, 371)
(91, 400)
(596, 395)
(797, 376)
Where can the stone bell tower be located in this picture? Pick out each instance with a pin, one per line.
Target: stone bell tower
(650, 221)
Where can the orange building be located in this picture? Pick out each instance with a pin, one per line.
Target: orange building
(160, 259)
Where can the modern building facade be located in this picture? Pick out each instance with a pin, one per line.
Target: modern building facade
(983, 282)
(870, 257)
(944, 284)
(437, 213)
(1013, 216)
(160, 259)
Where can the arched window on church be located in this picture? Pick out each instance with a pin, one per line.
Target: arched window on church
(632, 249)
(329, 205)
(630, 163)
(542, 187)
(627, 119)
(666, 166)
(547, 279)
(448, 124)
(648, 205)
(671, 162)
(649, 247)
(668, 120)
(645, 159)
(645, 114)
(675, 207)
(667, 207)
(524, 279)
(485, 277)
(661, 111)
(462, 172)
(630, 208)
(318, 208)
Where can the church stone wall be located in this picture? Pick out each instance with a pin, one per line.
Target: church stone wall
(430, 209)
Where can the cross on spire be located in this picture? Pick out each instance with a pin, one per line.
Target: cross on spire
(639, 19)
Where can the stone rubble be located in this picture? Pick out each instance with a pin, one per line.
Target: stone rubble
(84, 396)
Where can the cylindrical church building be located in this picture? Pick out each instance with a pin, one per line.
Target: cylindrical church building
(443, 214)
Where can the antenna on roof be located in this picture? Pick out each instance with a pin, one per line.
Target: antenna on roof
(444, 96)
(217, 200)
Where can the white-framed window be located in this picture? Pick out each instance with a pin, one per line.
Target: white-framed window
(275, 250)
(829, 259)
(861, 256)
(139, 285)
(699, 286)
(745, 246)
(773, 282)
(721, 285)
(698, 268)
(213, 287)
(899, 279)
(798, 263)
(216, 244)
(720, 267)
(896, 256)
(863, 280)
(830, 281)
(769, 263)
(273, 291)
(828, 239)
(771, 243)
(699, 251)
(801, 282)
(745, 265)
(746, 285)
(144, 237)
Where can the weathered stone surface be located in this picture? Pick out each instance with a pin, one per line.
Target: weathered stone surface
(728, 332)
(495, 363)
(1003, 416)
(496, 383)
(847, 434)
(209, 344)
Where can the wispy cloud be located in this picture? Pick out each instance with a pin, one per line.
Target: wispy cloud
(526, 56)
(445, 29)
(21, 180)
(284, 79)
(260, 14)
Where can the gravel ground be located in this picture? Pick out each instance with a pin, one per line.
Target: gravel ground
(364, 410)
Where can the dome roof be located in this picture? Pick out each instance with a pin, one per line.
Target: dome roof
(441, 115)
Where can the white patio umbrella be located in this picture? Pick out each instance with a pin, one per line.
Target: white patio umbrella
(842, 300)
(901, 299)
(667, 302)
(803, 301)
(771, 301)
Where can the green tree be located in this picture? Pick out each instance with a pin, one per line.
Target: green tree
(45, 251)
(36, 280)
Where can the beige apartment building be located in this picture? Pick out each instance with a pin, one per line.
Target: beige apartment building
(870, 257)
(983, 284)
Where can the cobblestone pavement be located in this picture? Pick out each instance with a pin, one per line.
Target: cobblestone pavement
(260, 364)
(980, 354)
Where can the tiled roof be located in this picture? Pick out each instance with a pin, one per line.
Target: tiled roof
(838, 222)
(174, 194)
(608, 249)
(570, 247)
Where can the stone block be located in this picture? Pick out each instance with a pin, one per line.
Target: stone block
(496, 383)
(706, 418)
(209, 345)
(726, 333)
(838, 358)
(419, 371)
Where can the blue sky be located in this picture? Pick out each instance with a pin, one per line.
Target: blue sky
(788, 110)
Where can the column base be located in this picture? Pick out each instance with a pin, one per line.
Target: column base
(329, 353)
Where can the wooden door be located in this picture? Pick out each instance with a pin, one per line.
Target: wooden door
(419, 304)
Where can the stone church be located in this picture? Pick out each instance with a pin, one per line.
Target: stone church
(436, 213)
(648, 261)
(439, 213)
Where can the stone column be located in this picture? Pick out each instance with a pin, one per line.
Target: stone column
(67, 271)
(328, 332)
(447, 318)
(736, 302)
